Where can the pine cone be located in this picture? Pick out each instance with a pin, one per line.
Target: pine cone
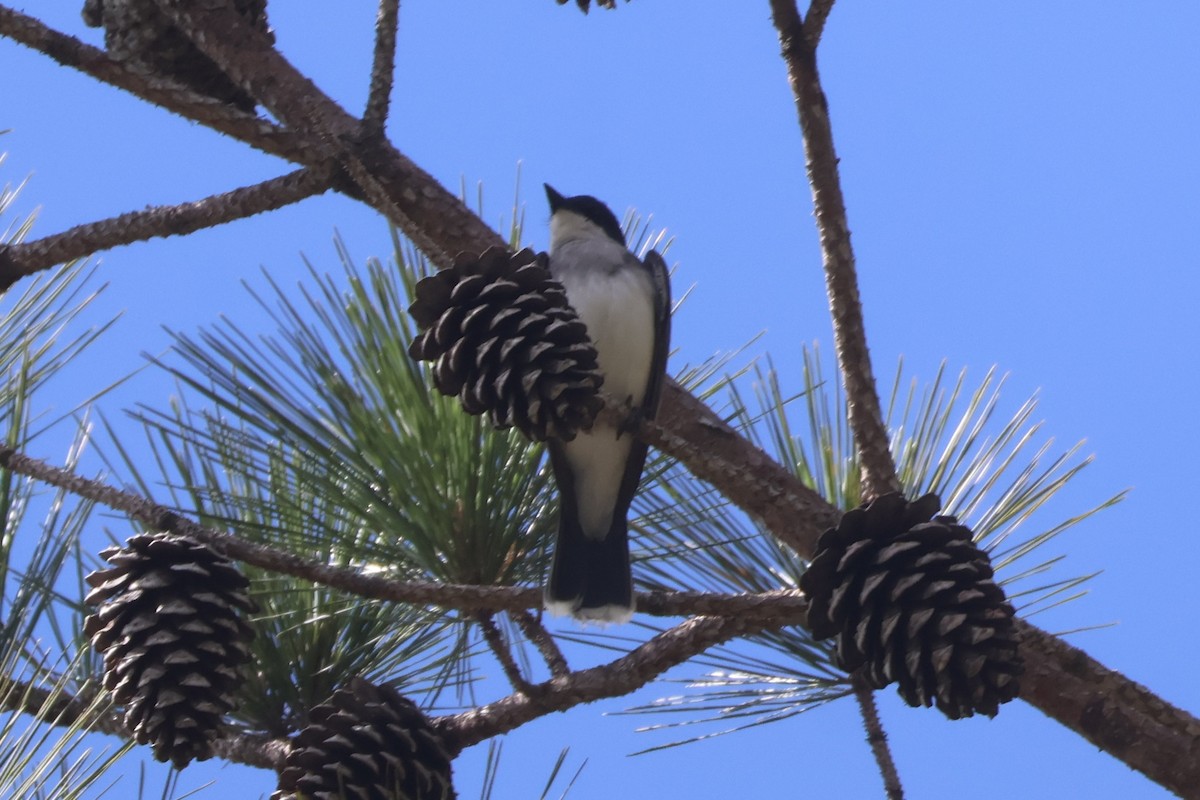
(585, 4)
(170, 627)
(367, 743)
(505, 341)
(912, 600)
(141, 36)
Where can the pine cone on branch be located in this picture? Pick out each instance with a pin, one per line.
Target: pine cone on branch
(170, 626)
(137, 33)
(910, 599)
(504, 340)
(584, 5)
(367, 743)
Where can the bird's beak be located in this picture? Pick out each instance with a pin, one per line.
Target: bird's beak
(554, 197)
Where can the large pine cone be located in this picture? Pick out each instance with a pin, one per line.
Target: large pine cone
(170, 627)
(911, 600)
(367, 743)
(141, 36)
(505, 341)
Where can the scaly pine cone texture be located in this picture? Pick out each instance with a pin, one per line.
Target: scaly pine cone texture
(139, 35)
(910, 599)
(170, 627)
(504, 340)
(367, 743)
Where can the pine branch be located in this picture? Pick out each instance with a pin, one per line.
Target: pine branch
(814, 20)
(781, 607)
(877, 738)
(56, 707)
(435, 220)
(536, 632)
(500, 649)
(70, 52)
(1112, 712)
(620, 677)
(841, 281)
(19, 260)
(383, 69)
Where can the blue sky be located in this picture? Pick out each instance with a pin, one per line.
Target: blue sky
(1023, 186)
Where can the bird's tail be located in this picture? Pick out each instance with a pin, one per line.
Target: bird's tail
(590, 578)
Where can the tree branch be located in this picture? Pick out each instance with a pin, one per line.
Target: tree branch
(1112, 712)
(70, 52)
(783, 607)
(535, 632)
(841, 281)
(435, 220)
(877, 738)
(57, 707)
(502, 652)
(19, 260)
(383, 69)
(620, 677)
(814, 21)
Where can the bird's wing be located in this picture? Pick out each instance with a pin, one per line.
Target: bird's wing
(662, 331)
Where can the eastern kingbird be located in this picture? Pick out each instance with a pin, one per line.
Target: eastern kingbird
(625, 305)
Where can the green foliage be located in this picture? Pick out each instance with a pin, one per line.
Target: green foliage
(45, 668)
(327, 439)
(947, 439)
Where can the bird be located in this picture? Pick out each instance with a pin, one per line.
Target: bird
(625, 304)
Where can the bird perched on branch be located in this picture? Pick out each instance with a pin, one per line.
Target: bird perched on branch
(625, 304)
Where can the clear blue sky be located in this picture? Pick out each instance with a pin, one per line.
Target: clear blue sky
(1023, 187)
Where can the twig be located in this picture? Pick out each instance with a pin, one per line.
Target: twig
(383, 69)
(620, 677)
(19, 260)
(841, 281)
(500, 649)
(877, 738)
(536, 632)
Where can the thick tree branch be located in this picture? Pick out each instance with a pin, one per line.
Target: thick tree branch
(19, 260)
(620, 677)
(383, 69)
(1112, 712)
(841, 281)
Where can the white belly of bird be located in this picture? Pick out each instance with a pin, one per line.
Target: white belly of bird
(619, 313)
